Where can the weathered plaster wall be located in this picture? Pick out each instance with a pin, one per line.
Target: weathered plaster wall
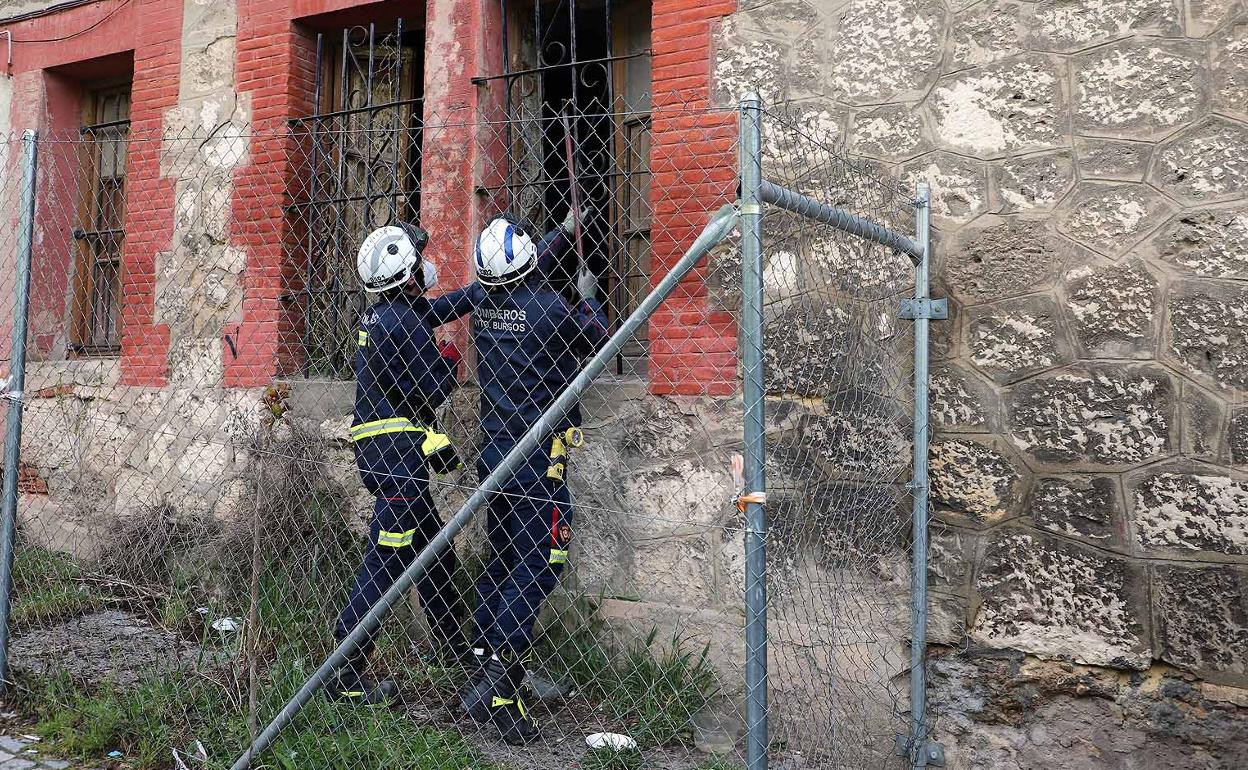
(120, 448)
(1089, 162)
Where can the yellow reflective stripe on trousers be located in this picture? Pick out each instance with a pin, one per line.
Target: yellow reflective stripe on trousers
(379, 427)
(395, 539)
(363, 338)
(558, 557)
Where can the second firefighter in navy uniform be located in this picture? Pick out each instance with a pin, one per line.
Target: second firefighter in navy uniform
(402, 376)
(530, 344)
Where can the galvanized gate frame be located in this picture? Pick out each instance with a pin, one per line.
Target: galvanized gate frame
(921, 309)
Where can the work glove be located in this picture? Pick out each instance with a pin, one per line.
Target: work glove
(568, 225)
(450, 352)
(587, 284)
(439, 453)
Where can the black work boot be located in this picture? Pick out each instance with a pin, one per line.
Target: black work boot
(348, 685)
(496, 698)
(476, 697)
(511, 716)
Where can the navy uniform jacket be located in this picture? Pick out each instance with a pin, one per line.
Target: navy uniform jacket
(530, 344)
(398, 368)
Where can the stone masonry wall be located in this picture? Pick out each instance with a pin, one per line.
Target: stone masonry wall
(1089, 166)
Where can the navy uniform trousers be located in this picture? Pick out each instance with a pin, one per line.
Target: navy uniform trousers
(529, 529)
(404, 521)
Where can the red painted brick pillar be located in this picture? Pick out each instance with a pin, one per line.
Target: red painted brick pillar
(693, 160)
(275, 63)
(149, 197)
(455, 35)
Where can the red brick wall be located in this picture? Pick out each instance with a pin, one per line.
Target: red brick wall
(60, 99)
(452, 146)
(275, 66)
(693, 160)
(47, 101)
(149, 197)
(276, 61)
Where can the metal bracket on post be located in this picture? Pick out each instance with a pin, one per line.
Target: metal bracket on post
(931, 309)
(931, 755)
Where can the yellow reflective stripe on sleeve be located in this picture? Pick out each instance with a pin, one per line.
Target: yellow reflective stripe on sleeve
(379, 427)
(500, 702)
(434, 442)
(395, 539)
(558, 557)
(363, 338)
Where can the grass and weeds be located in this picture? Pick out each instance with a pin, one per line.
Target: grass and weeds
(654, 688)
(296, 552)
(612, 759)
(48, 585)
(146, 720)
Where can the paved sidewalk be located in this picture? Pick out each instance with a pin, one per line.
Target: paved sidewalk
(18, 753)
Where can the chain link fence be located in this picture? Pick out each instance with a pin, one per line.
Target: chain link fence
(190, 519)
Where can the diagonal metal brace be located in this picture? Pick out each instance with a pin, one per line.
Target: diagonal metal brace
(931, 309)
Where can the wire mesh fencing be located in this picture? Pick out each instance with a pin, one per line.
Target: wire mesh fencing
(839, 381)
(209, 498)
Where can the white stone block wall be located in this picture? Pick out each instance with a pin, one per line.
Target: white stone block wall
(1089, 166)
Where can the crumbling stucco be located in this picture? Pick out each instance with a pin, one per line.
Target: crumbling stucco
(1061, 600)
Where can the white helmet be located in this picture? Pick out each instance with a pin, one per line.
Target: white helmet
(505, 252)
(389, 256)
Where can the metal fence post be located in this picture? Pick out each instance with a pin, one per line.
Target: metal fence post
(16, 382)
(920, 751)
(754, 495)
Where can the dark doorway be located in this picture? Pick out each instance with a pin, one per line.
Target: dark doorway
(583, 68)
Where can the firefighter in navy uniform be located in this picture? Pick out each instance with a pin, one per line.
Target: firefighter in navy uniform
(402, 376)
(530, 344)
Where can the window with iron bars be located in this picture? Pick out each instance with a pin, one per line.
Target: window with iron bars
(364, 154)
(578, 71)
(100, 236)
(576, 85)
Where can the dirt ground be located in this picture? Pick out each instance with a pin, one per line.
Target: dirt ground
(119, 647)
(108, 645)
